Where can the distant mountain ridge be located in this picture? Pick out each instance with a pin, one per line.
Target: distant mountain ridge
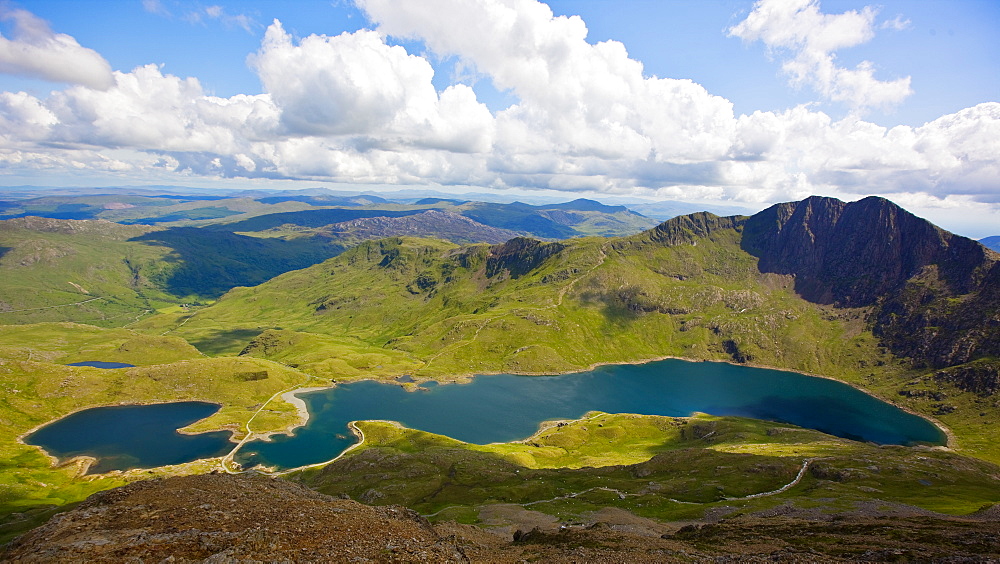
(431, 223)
(251, 210)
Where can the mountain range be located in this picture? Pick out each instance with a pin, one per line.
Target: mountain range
(441, 289)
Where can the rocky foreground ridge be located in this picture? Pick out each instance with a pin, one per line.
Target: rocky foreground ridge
(248, 518)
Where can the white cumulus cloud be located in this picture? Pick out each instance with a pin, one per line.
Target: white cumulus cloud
(585, 112)
(353, 108)
(36, 51)
(355, 85)
(812, 38)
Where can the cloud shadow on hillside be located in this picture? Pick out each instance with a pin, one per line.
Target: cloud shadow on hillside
(209, 263)
(221, 342)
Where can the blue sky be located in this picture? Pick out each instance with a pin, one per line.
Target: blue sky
(736, 101)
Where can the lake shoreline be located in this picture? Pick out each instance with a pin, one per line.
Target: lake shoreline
(303, 415)
(468, 377)
(55, 461)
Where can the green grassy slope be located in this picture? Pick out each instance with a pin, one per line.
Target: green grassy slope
(109, 274)
(437, 310)
(83, 271)
(593, 301)
(36, 387)
(659, 467)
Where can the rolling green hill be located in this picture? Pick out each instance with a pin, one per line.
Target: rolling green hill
(659, 467)
(74, 264)
(109, 274)
(83, 271)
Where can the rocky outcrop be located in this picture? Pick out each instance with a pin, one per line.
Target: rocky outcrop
(687, 229)
(519, 256)
(981, 378)
(934, 295)
(432, 223)
(245, 518)
(853, 254)
(926, 321)
(225, 518)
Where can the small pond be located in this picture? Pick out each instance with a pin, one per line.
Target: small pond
(101, 364)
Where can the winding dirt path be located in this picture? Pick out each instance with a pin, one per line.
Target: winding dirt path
(250, 435)
(51, 307)
(623, 495)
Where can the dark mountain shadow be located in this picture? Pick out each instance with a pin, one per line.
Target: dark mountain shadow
(5, 250)
(208, 263)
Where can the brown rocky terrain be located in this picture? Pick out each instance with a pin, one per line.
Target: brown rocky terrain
(432, 223)
(249, 518)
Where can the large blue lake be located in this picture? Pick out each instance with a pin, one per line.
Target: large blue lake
(503, 407)
(492, 409)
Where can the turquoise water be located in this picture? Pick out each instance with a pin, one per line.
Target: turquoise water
(133, 436)
(502, 408)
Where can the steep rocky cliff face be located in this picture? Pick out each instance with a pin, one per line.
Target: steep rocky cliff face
(935, 295)
(938, 327)
(853, 254)
(519, 256)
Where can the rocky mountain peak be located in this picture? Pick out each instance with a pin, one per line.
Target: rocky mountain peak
(852, 253)
(686, 229)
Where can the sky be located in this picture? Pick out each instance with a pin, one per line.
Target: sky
(721, 101)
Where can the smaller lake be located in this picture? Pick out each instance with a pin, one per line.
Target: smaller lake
(101, 364)
(122, 437)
